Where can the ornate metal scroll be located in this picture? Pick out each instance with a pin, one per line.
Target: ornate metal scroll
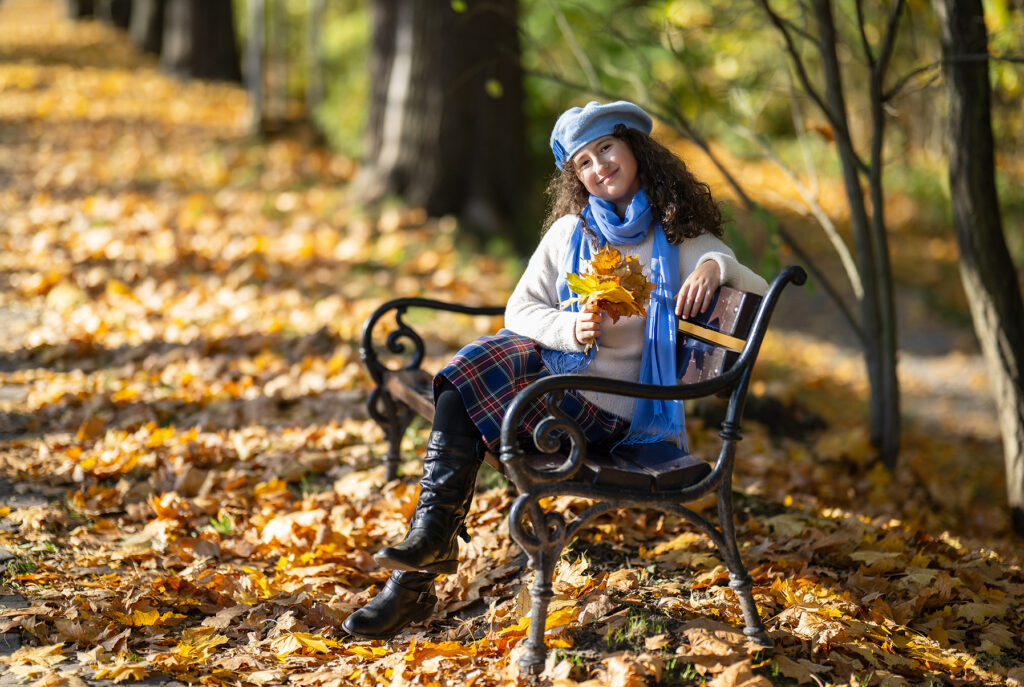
(392, 415)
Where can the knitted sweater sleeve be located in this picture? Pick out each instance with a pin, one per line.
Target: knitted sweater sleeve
(532, 308)
(694, 251)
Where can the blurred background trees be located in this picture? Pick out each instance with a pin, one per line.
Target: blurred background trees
(445, 127)
(448, 106)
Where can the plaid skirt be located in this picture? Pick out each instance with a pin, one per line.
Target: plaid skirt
(490, 372)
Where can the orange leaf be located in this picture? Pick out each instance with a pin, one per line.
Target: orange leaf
(91, 428)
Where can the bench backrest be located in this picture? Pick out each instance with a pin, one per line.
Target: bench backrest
(708, 344)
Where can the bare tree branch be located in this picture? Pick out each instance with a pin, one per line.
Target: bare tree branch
(938, 64)
(574, 45)
(836, 119)
(801, 131)
(889, 40)
(864, 36)
(812, 204)
(798, 30)
(900, 84)
(798, 62)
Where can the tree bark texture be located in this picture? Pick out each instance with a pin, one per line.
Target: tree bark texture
(276, 63)
(147, 26)
(872, 258)
(199, 40)
(115, 12)
(986, 269)
(445, 128)
(80, 9)
(255, 50)
(889, 443)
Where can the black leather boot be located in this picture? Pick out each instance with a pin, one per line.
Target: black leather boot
(446, 491)
(407, 597)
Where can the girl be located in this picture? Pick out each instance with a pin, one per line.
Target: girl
(615, 185)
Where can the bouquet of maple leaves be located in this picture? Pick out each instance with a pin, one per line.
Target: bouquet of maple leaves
(615, 284)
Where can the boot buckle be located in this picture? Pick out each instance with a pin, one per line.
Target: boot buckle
(423, 596)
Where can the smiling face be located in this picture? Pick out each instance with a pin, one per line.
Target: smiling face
(607, 168)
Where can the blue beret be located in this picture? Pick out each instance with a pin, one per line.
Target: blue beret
(578, 126)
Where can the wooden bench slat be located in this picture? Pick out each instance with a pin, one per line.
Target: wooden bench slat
(413, 388)
(604, 468)
(731, 314)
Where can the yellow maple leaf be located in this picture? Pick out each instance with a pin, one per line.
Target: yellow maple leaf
(563, 616)
(301, 642)
(419, 651)
(119, 672)
(611, 284)
(197, 644)
(142, 618)
(365, 651)
(606, 260)
(520, 627)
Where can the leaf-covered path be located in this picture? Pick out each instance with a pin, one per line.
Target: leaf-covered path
(192, 490)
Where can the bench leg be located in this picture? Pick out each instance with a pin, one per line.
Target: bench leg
(541, 593)
(393, 417)
(543, 546)
(739, 579)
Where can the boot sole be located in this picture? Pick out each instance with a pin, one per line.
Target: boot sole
(438, 568)
(412, 621)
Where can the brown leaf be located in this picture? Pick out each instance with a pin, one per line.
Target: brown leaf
(91, 428)
(49, 655)
(739, 675)
(713, 645)
(801, 670)
(226, 616)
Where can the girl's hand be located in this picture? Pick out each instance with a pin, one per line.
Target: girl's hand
(588, 326)
(698, 290)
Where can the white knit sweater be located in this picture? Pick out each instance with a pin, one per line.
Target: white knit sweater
(533, 307)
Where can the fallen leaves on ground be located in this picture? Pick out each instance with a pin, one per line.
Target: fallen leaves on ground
(181, 378)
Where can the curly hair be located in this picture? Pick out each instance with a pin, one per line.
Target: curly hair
(682, 203)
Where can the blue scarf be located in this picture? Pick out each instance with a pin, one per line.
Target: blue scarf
(653, 420)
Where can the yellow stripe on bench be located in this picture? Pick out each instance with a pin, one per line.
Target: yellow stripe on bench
(711, 336)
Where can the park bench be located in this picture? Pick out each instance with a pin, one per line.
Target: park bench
(716, 354)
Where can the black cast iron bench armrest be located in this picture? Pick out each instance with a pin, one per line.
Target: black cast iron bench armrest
(394, 342)
(401, 393)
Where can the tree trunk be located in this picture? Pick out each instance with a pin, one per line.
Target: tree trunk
(889, 394)
(383, 23)
(80, 9)
(986, 269)
(314, 58)
(115, 12)
(445, 128)
(277, 63)
(199, 40)
(872, 259)
(254, 53)
(147, 27)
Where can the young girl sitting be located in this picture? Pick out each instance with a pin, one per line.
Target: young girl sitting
(614, 186)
